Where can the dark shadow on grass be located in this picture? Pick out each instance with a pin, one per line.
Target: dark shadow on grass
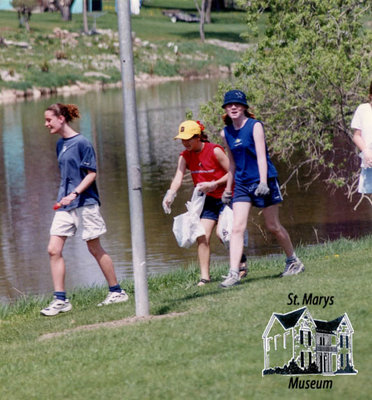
(199, 293)
(225, 36)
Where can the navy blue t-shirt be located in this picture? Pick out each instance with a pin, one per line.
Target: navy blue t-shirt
(241, 144)
(75, 157)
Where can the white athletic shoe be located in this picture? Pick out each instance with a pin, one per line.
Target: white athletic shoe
(114, 297)
(55, 307)
(232, 279)
(293, 268)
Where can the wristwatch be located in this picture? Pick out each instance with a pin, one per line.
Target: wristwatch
(76, 193)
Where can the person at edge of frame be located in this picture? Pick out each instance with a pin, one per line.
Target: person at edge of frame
(208, 165)
(361, 123)
(77, 204)
(255, 183)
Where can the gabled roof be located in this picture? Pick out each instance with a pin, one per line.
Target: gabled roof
(328, 326)
(332, 326)
(290, 319)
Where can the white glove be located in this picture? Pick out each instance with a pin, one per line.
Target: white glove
(226, 197)
(262, 190)
(168, 200)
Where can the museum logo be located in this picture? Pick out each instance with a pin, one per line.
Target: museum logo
(296, 344)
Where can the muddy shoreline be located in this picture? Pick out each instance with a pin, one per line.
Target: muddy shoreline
(13, 95)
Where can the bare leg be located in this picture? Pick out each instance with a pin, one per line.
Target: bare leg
(241, 212)
(57, 263)
(104, 261)
(204, 250)
(271, 215)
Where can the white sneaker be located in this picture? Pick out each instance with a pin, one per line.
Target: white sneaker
(114, 297)
(56, 306)
(232, 279)
(293, 268)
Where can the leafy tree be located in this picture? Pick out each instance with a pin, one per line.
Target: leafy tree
(304, 79)
(24, 9)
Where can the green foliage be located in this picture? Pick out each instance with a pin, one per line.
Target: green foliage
(309, 71)
(26, 4)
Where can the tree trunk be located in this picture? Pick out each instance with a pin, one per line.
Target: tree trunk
(208, 12)
(85, 17)
(66, 13)
(202, 18)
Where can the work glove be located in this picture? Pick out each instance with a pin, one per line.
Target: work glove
(226, 197)
(168, 200)
(262, 189)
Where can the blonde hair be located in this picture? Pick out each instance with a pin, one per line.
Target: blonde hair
(69, 111)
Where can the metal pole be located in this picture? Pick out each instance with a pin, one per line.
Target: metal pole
(133, 159)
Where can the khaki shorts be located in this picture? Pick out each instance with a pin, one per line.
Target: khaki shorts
(65, 223)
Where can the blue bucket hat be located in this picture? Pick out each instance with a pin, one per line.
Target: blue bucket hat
(235, 96)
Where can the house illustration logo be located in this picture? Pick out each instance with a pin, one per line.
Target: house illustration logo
(295, 343)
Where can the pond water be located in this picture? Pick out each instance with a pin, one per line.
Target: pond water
(29, 177)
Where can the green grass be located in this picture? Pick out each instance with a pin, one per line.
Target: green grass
(45, 61)
(213, 351)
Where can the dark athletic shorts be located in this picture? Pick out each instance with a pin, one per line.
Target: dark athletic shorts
(212, 208)
(245, 193)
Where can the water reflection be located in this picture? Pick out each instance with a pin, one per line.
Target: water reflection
(29, 174)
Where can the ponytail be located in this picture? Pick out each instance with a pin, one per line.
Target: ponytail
(69, 111)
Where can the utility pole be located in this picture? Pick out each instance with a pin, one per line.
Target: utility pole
(133, 159)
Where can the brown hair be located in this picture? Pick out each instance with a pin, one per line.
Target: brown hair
(228, 121)
(69, 111)
(202, 136)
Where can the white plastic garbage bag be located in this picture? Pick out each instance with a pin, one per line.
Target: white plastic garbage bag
(187, 226)
(224, 227)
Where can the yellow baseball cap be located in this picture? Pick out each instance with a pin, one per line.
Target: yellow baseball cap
(188, 129)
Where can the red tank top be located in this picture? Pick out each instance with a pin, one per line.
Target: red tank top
(205, 167)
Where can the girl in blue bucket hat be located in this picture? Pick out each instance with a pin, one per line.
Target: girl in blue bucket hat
(255, 183)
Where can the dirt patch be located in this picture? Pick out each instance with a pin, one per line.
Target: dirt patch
(230, 45)
(109, 324)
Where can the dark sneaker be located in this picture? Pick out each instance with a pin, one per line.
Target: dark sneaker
(55, 307)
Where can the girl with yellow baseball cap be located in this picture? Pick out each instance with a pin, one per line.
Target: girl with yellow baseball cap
(208, 165)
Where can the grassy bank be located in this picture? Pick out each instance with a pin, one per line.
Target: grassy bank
(211, 349)
(56, 53)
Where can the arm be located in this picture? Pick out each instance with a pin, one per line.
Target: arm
(227, 195)
(360, 143)
(178, 177)
(260, 145)
(175, 185)
(223, 160)
(83, 185)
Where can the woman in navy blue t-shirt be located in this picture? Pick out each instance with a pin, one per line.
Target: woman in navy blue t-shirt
(255, 183)
(77, 205)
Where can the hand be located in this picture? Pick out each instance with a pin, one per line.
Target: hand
(168, 200)
(206, 187)
(367, 158)
(226, 197)
(65, 201)
(262, 189)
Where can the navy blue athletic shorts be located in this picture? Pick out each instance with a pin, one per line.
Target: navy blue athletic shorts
(245, 193)
(212, 208)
